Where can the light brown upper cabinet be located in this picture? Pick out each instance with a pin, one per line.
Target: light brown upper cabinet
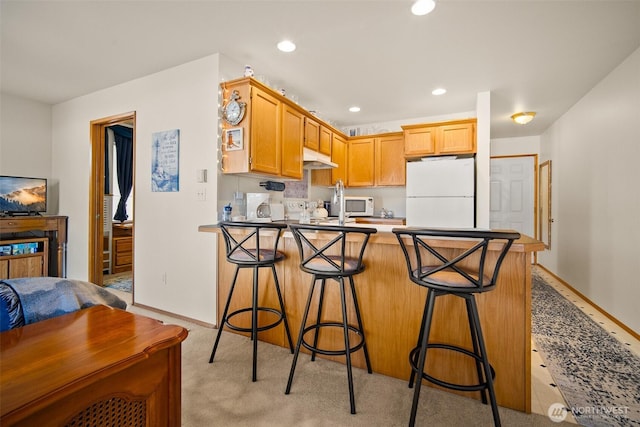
(311, 134)
(267, 139)
(419, 140)
(360, 163)
(292, 140)
(268, 135)
(326, 139)
(457, 138)
(264, 136)
(434, 139)
(335, 146)
(317, 137)
(376, 161)
(390, 164)
(339, 152)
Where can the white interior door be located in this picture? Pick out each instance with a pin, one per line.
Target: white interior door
(512, 194)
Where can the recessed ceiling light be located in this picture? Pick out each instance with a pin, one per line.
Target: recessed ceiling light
(354, 109)
(439, 91)
(422, 7)
(286, 46)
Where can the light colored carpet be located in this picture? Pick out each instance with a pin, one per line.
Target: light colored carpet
(222, 393)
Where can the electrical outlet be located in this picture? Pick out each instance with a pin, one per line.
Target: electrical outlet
(201, 193)
(294, 205)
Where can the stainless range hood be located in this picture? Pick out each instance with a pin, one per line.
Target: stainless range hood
(314, 160)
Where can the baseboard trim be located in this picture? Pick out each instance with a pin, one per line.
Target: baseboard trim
(594, 305)
(177, 316)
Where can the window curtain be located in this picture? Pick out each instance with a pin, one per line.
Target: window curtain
(124, 165)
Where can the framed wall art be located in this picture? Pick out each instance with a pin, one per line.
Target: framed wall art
(165, 156)
(233, 139)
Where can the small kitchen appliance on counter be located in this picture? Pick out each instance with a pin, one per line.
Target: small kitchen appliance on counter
(354, 206)
(258, 207)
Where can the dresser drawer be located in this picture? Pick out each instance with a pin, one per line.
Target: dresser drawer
(123, 245)
(122, 254)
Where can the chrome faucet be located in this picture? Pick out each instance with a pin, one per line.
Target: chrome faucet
(338, 197)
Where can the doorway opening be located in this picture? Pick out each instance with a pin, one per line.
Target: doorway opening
(111, 196)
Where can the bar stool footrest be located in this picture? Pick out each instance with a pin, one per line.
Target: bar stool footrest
(325, 352)
(413, 360)
(277, 312)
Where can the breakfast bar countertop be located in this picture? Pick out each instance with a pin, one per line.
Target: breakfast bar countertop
(385, 236)
(391, 307)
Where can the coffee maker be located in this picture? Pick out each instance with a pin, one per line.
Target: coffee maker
(258, 208)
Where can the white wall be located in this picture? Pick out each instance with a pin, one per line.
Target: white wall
(483, 166)
(594, 149)
(167, 241)
(515, 146)
(25, 142)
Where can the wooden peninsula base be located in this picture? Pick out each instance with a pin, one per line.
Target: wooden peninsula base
(392, 307)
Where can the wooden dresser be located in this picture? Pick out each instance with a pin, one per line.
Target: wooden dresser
(122, 247)
(98, 366)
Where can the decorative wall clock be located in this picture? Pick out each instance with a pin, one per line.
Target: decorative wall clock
(233, 111)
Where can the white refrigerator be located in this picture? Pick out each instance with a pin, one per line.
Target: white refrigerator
(441, 193)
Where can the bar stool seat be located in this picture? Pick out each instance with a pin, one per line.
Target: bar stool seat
(462, 275)
(335, 253)
(245, 248)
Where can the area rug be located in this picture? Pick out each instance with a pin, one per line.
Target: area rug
(121, 282)
(598, 377)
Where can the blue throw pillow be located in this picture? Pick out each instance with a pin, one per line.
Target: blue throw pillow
(5, 321)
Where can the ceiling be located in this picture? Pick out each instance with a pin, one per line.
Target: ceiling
(533, 55)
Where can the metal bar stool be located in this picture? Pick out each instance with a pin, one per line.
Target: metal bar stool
(331, 252)
(243, 245)
(463, 276)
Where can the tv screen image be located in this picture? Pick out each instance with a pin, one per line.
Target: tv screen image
(23, 194)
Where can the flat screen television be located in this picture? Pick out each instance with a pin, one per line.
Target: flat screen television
(22, 195)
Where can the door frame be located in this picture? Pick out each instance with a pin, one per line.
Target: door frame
(96, 189)
(545, 204)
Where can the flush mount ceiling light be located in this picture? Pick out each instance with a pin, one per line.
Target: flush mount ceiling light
(439, 91)
(354, 109)
(422, 7)
(286, 46)
(523, 118)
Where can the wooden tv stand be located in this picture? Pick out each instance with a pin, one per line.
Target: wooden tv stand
(53, 227)
(98, 366)
(33, 262)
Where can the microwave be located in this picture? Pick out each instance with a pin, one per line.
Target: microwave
(354, 206)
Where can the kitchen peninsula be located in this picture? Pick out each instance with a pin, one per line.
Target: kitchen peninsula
(391, 307)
